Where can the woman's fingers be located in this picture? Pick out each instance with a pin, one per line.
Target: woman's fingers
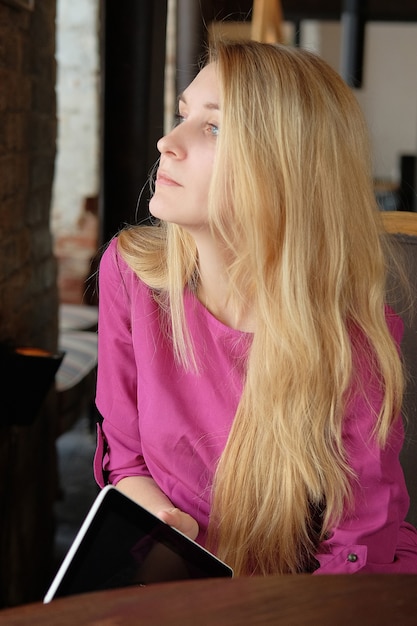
(181, 521)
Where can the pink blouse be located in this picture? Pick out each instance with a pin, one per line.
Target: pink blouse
(172, 425)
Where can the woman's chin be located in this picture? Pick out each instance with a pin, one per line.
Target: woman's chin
(155, 210)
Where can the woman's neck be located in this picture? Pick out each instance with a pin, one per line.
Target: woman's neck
(213, 288)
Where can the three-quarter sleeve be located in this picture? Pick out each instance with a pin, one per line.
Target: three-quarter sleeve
(119, 452)
(373, 536)
(368, 537)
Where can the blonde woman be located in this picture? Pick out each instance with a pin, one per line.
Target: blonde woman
(249, 375)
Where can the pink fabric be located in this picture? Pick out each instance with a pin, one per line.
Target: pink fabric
(163, 422)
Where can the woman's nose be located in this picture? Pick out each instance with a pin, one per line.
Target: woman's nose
(171, 143)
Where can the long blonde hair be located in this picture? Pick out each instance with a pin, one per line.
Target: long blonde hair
(292, 201)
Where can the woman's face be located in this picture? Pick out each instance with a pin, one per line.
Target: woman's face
(187, 156)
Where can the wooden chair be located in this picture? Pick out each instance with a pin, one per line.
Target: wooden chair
(267, 21)
(76, 378)
(402, 226)
(400, 222)
(266, 25)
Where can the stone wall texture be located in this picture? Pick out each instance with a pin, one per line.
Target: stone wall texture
(28, 292)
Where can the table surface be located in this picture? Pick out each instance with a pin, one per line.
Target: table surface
(277, 600)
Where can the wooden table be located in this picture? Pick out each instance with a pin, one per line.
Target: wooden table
(382, 600)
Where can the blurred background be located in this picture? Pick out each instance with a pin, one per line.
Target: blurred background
(86, 89)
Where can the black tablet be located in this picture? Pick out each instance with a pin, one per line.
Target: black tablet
(121, 544)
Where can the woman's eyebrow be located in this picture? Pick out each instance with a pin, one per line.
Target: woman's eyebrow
(213, 106)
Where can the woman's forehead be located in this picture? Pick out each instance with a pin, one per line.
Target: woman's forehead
(205, 86)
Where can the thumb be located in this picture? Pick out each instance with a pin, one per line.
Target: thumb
(181, 521)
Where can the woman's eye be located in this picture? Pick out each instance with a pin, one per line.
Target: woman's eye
(214, 130)
(179, 119)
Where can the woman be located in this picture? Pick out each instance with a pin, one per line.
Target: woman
(249, 371)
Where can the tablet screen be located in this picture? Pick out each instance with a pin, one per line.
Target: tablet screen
(122, 544)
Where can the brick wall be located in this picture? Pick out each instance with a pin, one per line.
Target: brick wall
(77, 88)
(74, 210)
(28, 291)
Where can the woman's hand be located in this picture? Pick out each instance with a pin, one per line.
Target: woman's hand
(145, 492)
(181, 521)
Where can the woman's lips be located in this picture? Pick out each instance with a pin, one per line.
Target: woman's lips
(164, 179)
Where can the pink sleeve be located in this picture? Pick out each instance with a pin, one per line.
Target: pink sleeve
(118, 452)
(373, 536)
(367, 538)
